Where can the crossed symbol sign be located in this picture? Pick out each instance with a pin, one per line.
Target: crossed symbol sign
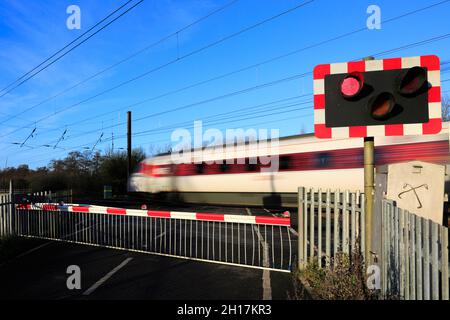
(413, 189)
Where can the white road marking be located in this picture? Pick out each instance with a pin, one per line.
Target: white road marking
(106, 277)
(41, 246)
(32, 250)
(267, 289)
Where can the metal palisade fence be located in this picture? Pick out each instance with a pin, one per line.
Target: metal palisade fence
(251, 241)
(414, 260)
(6, 215)
(330, 222)
(8, 212)
(6, 191)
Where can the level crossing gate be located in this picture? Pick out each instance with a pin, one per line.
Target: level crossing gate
(243, 240)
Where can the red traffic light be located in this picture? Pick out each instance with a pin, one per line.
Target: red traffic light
(381, 105)
(411, 81)
(352, 85)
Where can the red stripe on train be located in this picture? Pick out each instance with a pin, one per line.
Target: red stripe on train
(435, 151)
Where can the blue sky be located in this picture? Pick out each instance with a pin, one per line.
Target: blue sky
(31, 30)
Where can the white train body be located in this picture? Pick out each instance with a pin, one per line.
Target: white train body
(303, 161)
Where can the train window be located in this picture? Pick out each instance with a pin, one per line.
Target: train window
(323, 160)
(285, 162)
(378, 156)
(250, 164)
(199, 168)
(224, 167)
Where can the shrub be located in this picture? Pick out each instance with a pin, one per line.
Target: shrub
(344, 279)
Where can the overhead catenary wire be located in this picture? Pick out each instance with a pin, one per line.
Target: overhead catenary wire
(442, 37)
(96, 131)
(166, 140)
(216, 97)
(70, 50)
(252, 88)
(412, 45)
(76, 148)
(243, 110)
(194, 52)
(66, 46)
(422, 42)
(215, 118)
(256, 107)
(264, 62)
(198, 103)
(110, 67)
(234, 117)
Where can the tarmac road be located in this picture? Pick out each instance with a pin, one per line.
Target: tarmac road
(118, 274)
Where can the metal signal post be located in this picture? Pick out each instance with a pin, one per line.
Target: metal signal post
(369, 191)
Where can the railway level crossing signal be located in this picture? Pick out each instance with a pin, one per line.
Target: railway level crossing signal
(369, 98)
(389, 97)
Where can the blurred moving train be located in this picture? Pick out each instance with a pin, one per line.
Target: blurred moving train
(303, 161)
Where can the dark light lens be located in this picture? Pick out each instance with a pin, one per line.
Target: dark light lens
(351, 85)
(381, 106)
(412, 81)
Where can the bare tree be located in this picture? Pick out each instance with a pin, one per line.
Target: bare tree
(153, 150)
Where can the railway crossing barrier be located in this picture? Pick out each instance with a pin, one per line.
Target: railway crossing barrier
(8, 214)
(414, 259)
(242, 240)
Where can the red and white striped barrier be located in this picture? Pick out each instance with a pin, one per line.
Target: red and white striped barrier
(217, 217)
